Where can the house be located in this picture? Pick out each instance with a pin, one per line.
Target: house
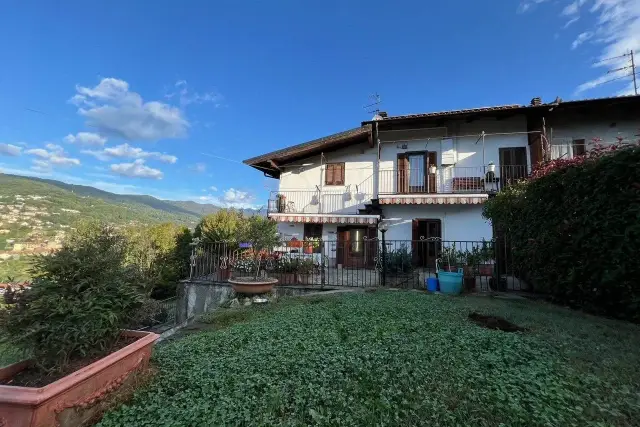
(427, 175)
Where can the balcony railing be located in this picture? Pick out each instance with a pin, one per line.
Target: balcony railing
(450, 179)
(317, 202)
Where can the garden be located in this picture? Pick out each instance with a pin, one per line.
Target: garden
(392, 358)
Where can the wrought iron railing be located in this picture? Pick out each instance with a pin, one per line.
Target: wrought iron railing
(449, 179)
(319, 202)
(359, 263)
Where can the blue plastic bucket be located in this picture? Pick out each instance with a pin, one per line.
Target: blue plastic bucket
(432, 284)
(450, 283)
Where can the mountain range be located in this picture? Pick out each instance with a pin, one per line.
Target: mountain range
(108, 206)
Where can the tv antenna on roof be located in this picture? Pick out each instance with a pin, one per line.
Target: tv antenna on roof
(374, 102)
(631, 66)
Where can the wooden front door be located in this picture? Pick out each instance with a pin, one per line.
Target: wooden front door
(426, 235)
(513, 165)
(356, 247)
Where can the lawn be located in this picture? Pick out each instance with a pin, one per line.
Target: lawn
(394, 358)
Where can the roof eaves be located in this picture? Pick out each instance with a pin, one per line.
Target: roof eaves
(310, 145)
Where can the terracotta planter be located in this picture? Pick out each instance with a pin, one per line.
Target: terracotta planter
(308, 249)
(252, 288)
(74, 399)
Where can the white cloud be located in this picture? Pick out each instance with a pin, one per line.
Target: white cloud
(616, 31)
(199, 168)
(10, 150)
(54, 156)
(114, 110)
(237, 197)
(573, 8)
(54, 147)
(569, 22)
(186, 97)
(39, 152)
(125, 151)
(137, 169)
(582, 37)
(526, 5)
(213, 188)
(86, 138)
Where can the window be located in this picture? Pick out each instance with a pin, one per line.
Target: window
(579, 147)
(334, 174)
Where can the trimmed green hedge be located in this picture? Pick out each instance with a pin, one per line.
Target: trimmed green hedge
(575, 232)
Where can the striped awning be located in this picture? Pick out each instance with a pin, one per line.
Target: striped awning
(327, 219)
(475, 199)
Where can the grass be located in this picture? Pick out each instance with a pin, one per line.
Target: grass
(394, 358)
(9, 355)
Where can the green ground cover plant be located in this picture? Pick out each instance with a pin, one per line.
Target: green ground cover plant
(394, 358)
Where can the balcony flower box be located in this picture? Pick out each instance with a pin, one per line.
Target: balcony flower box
(76, 398)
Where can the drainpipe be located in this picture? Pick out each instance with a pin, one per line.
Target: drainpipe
(376, 175)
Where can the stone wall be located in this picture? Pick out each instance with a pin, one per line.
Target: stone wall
(198, 297)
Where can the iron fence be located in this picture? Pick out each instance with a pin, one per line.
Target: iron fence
(362, 262)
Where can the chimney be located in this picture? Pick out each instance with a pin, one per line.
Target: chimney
(536, 101)
(383, 114)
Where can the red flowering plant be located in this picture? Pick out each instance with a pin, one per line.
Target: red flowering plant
(599, 149)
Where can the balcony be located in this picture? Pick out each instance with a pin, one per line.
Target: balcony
(449, 179)
(317, 202)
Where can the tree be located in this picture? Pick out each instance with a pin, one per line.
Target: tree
(262, 234)
(220, 226)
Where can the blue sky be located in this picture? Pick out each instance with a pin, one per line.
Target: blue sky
(138, 96)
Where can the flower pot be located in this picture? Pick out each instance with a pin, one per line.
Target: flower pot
(72, 400)
(308, 249)
(251, 286)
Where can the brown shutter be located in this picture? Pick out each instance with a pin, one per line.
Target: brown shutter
(339, 174)
(403, 173)
(579, 147)
(329, 174)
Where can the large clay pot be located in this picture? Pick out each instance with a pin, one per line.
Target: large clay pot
(252, 287)
(75, 398)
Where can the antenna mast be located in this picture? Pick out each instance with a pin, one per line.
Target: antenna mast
(374, 102)
(632, 66)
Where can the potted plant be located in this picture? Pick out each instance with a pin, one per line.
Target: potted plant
(286, 268)
(451, 259)
(305, 270)
(432, 169)
(310, 244)
(70, 321)
(261, 235)
(491, 167)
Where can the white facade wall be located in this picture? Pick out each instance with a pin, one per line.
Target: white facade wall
(459, 222)
(608, 130)
(301, 183)
(471, 158)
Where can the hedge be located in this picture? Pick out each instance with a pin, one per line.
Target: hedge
(575, 231)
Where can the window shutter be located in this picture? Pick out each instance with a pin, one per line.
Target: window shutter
(403, 173)
(579, 147)
(340, 174)
(329, 174)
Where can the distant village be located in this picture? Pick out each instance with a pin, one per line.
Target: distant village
(26, 227)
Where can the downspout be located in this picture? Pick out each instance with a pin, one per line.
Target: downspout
(376, 175)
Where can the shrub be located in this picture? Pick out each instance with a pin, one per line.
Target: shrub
(79, 300)
(575, 233)
(399, 261)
